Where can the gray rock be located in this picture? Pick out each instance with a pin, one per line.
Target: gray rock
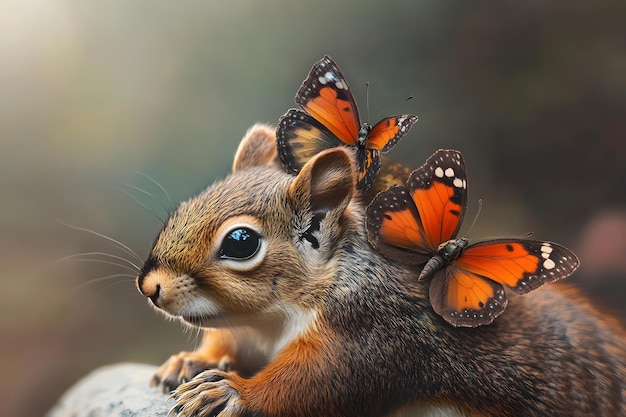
(120, 390)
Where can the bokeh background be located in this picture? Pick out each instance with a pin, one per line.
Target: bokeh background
(97, 96)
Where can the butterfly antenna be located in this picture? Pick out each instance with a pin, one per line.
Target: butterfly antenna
(480, 206)
(402, 101)
(367, 100)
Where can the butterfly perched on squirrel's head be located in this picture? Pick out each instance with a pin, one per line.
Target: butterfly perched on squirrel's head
(329, 118)
(417, 224)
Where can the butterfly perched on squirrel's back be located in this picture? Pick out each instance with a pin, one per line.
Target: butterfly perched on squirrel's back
(329, 118)
(417, 224)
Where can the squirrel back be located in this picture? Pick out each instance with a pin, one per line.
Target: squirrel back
(283, 263)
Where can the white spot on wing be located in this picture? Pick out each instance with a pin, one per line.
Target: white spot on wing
(439, 172)
(331, 77)
(548, 264)
(341, 85)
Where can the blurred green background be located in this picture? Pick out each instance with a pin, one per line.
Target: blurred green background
(94, 94)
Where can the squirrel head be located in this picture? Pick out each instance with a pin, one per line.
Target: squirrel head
(255, 243)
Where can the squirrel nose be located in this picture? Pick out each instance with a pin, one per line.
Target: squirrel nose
(155, 296)
(149, 288)
(146, 282)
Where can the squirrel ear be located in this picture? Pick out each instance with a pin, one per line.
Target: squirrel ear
(326, 182)
(257, 148)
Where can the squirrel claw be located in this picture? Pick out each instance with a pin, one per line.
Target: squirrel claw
(182, 367)
(209, 394)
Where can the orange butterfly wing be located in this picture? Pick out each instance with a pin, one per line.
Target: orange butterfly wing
(521, 264)
(394, 227)
(407, 224)
(465, 299)
(386, 133)
(368, 165)
(299, 137)
(469, 291)
(326, 96)
(439, 190)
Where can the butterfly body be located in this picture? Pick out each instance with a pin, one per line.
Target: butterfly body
(417, 225)
(364, 132)
(361, 148)
(328, 118)
(447, 252)
(452, 249)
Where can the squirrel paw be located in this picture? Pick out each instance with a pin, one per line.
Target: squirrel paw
(211, 393)
(183, 367)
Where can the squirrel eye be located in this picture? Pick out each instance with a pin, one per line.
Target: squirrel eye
(240, 244)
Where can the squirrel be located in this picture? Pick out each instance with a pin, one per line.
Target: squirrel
(302, 317)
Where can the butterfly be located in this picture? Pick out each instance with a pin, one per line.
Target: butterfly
(417, 224)
(328, 118)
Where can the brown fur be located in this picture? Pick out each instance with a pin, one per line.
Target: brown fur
(322, 325)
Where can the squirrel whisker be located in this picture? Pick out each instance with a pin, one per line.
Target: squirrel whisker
(124, 248)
